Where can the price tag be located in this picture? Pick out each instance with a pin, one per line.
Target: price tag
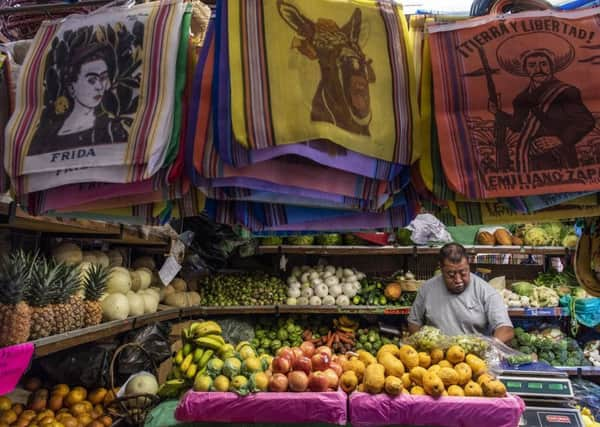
(169, 270)
(546, 311)
(14, 360)
(392, 311)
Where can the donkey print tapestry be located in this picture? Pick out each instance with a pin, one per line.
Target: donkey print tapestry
(517, 103)
(341, 69)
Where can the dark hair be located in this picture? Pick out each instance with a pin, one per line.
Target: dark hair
(453, 253)
(82, 56)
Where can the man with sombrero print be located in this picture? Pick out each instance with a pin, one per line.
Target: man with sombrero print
(548, 114)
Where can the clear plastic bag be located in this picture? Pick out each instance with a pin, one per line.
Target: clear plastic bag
(237, 330)
(427, 339)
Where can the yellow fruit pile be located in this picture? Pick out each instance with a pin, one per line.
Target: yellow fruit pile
(59, 407)
(405, 371)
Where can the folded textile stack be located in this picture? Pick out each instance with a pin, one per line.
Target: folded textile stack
(308, 123)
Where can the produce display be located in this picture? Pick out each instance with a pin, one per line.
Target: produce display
(526, 294)
(592, 352)
(242, 289)
(429, 338)
(176, 294)
(58, 406)
(550, 345)
(323, 285)
(375, 292)
(341, 338)
(402, 370)
(548, 234)
(270, 336)
(328, 239)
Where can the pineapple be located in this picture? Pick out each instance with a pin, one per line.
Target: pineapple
(40, 293)
(94, 287)
(67, 316)
(15, 314)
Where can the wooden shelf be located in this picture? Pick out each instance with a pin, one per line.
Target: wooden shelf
(17, 219)
(407, 250)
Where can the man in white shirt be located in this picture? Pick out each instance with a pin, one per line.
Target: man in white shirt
(458, 302)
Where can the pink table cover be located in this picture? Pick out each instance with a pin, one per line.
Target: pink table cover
(329, 407)
(368, 410)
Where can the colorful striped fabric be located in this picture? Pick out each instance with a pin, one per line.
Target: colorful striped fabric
(137, 101)
(487, 95)
(262, 95)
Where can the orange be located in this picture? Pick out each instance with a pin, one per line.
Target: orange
(61, 389)
(78, 409)
(81, 390)
(5, 403)
(97, 396)
(45, 413)
(110, 396)
(74, 396)
(8, 416)
(99, 409)
(32, 384)
(106, 420)
(56, 402)
(28, 414)
(46, 421)
(88, 406)
(18, 408)
(85, 419)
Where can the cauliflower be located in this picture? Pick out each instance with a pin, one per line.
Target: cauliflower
(536, 236)
(524, 301)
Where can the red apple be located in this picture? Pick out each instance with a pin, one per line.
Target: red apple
(303, 364)
(324, 349)
(318, 382)
(281, 365)
(287, 353)
(307, 348)
(332, 377)
(320, 361)
(339, 359)
(297, 352)
(278, 382)
(337, 368)
(297, 381)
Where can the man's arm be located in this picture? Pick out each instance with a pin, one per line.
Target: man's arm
(497, 315)
(416, 318)
(504, 333)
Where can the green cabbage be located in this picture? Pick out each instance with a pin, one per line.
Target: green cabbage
(570, 241)
(300, 240)
(271, 241)
(403, 237)
(214, 367)
(554, 230)
(524, 289)
(332, 239)
(232, 367)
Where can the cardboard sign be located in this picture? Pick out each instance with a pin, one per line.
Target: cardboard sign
(14, 360)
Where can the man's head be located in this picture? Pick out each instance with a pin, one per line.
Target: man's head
(539, 67)
(454, 264)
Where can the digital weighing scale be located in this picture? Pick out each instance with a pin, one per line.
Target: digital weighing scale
(547, 393)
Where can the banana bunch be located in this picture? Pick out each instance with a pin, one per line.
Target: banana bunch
(345, 324)
(588, 247)
(172, 389)
(202, 341)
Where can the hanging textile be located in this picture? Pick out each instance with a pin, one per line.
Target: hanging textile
(101, 87)
(515, 103)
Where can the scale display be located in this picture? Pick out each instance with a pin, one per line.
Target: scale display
(550, 417)
(532, 386)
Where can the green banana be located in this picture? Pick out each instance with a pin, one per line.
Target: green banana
(198, 354)
(187, 362)
(217, 338)
(171, 389)
(191, 371)
(206, 357)
(179, 357)
(186, 335)
(176, 371)
(187, 349)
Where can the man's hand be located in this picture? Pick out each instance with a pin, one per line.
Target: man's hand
(543, 144)
(413, 327)
(504, 333)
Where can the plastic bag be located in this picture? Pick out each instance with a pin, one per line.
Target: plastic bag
(236, 330)
(587, 395)
(427, 339)
(86, 365)
(497, 353)
(427, 229)
(155, 340)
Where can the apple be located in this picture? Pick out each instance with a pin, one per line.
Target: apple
(324, 349)
(297, 381)
(337, 368)
(307, 348)
(281, 365)
(318, 382)
(278, 382)
(297, 352)
(287, 353)
(332, 377)
(303, 364)
(320, 361)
